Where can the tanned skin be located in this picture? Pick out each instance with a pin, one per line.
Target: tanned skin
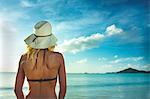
(20, 77)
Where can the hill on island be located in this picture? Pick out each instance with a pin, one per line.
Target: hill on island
(131, 70)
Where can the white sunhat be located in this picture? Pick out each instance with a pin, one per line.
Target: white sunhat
(42, 36)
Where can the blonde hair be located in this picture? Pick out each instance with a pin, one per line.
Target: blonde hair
(32, 52)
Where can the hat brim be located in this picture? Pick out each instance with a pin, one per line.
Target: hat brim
(41, 42)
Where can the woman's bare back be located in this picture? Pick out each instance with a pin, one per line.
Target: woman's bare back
(46, 67)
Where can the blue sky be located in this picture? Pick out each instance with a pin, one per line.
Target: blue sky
(94, 36)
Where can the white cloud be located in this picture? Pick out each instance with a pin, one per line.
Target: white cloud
(146, 67)
(127, 59)
(25, 3)
(81, 43)
(129, 65)
(87, 42)
(102, 59)
(111, 30)
(116, 56)
(82, 61)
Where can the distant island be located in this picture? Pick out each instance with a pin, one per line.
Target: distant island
(131, 70)
(128, 70)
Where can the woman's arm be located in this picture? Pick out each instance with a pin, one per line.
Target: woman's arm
(62, 78)
(19, 81)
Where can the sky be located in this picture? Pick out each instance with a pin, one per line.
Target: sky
(95, 36)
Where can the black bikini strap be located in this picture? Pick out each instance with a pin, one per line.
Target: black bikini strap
(40, 80)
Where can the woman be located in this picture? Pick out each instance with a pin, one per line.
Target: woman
(41, 66)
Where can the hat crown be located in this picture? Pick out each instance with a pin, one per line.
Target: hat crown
(42, 36)
(43, 28)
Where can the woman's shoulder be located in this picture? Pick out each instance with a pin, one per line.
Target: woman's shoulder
(24, 56)
(57, 54)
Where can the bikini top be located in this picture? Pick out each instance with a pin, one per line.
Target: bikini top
(41, 80)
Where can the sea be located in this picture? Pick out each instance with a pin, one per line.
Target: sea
(90, 86)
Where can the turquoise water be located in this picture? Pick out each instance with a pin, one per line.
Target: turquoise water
(91, 86)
